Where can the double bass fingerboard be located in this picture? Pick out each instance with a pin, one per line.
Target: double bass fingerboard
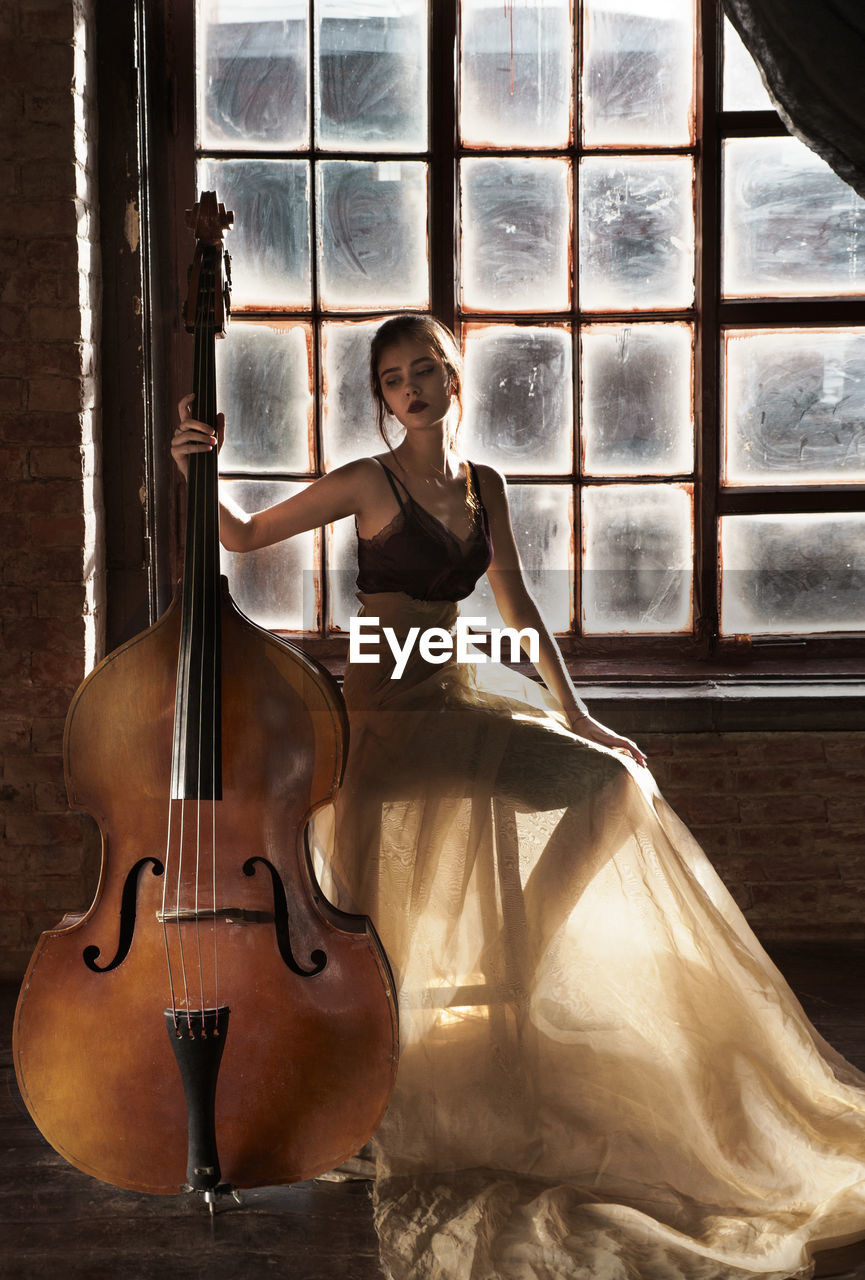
(196, 763)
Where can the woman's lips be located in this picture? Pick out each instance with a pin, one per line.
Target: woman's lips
(417, 406)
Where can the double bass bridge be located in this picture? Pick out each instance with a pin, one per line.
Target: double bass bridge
(278, 918)
(229, 915)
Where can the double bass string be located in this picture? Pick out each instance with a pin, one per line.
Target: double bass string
(204, 410)
(209, 550)
(191, 585)
(198, 566)
(195, 777)
(177, 905)
(164, 922)
(204, 546)
(216, 669)
(208, 512)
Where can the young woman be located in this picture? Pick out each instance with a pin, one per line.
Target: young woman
(601, 1072)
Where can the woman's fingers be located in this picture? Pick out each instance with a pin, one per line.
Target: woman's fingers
(192, 436)
(625, 744)
(188, 424)
(197, 435)
(630, 748)
(594, 732)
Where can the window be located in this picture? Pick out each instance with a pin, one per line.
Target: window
(791, 512)
(654, 286)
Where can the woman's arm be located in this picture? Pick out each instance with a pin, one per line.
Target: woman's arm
(342, 492)
(519, 609)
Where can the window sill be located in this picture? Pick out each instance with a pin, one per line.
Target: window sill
(662, 697)
(730, 706)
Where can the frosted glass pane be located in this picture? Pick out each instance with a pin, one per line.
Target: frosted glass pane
(372, 75)
(252, 74)
(269, 241)
(637, 414)
(542, 517)
(791, 226)
(520, 98)
(638, 550)
(518, 399)
(350, 426)
(263, 386)
(516, 235)
(792, 573)
(636, 233)
(373, 235)
(794, 408)
(275, 586)
(343, 603)
(638, 72)
(743, 87)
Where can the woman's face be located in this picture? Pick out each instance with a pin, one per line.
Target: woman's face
(414, 382)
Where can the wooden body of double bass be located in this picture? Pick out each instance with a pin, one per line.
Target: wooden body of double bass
(308, 1061)
(212, 1021)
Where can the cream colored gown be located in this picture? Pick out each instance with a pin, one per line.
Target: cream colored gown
(602, 1073)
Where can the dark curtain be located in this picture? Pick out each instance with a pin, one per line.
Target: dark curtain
(812, 55)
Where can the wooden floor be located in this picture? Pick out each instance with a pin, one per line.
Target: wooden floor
(55, 1220)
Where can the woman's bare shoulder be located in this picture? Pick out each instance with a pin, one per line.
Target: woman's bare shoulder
(360, 471)
(493, 484)
(363, 481)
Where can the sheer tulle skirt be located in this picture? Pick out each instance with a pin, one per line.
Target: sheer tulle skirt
(602, 1074)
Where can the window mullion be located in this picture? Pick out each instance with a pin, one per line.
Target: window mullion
(790, 499)
(577, 318)
(707, 388)
(443, 143)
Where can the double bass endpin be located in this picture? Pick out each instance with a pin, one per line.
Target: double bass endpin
(212, 1195)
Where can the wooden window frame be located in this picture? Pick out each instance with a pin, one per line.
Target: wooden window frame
(703, 657)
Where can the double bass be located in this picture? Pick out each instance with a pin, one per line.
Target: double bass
(212, 1022)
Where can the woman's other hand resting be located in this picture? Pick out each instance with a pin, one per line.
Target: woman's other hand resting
(585, 726)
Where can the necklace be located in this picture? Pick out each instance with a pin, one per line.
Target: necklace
(471, 500)
(434, 474)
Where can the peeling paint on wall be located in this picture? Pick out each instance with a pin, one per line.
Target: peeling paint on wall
(131, 226)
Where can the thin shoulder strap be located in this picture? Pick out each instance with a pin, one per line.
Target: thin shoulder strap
(391, 479)
(476, 485)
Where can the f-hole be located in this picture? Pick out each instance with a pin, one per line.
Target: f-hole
(128, 911)
(281, 924)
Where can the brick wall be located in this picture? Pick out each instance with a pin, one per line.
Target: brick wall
(51, 538)
(782, 817)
